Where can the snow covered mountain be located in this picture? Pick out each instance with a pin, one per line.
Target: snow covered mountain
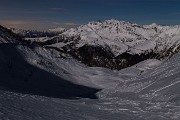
(120, 36)
(111, 43)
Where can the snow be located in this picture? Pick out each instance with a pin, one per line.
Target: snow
(153, 95)
(146, 91)
(144, 46)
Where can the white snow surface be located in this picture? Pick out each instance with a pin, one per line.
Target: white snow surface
(121, 36)
(146, 91)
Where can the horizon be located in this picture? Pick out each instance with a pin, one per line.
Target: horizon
(46, 14)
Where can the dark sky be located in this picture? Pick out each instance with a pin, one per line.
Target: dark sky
(44, 14)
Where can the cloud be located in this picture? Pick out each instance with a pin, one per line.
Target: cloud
(71, 24)
(58, 9)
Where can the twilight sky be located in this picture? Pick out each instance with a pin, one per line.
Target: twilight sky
(45, 14)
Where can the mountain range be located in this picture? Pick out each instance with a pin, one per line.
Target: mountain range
(115, 44)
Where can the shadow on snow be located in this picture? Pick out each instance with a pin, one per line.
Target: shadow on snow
(16, 75)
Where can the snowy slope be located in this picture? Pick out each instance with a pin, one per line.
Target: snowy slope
(153, 95)
(37, 83)
(25, 61)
